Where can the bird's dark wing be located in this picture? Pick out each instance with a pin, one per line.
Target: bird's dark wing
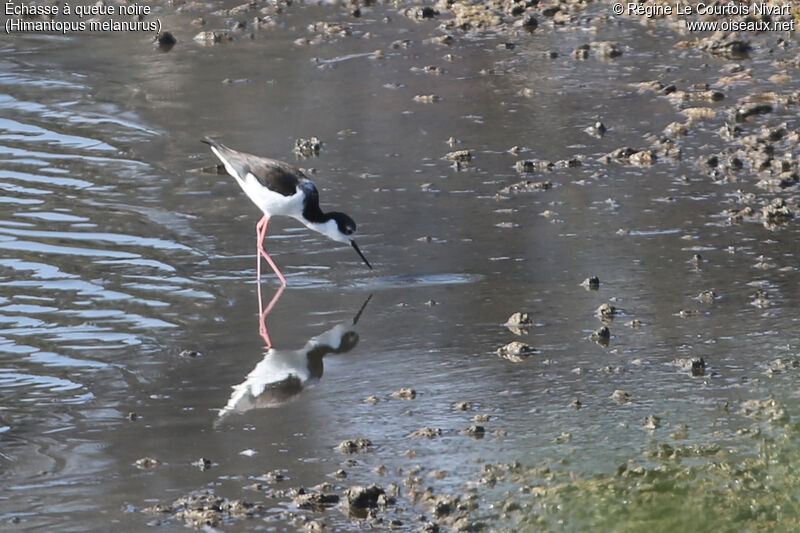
(275, 175)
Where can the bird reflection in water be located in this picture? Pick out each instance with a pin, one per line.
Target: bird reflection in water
(283, 374)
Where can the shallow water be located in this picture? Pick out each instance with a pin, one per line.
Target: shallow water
(127, 276)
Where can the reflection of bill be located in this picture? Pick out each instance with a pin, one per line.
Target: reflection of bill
(283, 374)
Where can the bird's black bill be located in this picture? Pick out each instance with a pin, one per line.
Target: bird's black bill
(363, 306)
(358, 250)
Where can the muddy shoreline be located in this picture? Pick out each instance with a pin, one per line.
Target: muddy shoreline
(751, 149)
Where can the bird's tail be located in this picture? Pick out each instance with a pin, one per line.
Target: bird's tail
(211, 142)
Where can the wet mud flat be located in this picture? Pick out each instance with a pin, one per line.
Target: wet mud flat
(624, 358)
(729, 131)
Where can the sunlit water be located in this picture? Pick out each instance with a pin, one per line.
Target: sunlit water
(127, 276)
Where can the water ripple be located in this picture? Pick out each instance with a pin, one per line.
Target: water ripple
(90, 271)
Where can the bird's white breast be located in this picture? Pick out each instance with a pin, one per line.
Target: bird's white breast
(278, 367)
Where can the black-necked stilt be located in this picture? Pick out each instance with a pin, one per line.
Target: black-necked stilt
(278, 188)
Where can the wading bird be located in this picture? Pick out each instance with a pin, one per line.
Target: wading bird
(278, 188)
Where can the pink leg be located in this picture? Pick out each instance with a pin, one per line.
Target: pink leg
(261, 232)
(262, 324)
(259, 237)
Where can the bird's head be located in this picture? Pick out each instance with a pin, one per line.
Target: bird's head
(345, 225)
(345, 228)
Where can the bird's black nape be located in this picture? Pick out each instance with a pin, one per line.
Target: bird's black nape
(358, 250)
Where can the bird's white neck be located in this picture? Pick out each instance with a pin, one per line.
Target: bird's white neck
(330, 229)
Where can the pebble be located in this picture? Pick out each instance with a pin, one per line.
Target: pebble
(202, 463)
(519, 319)
(354, 446)
(515, 351)
(405, 394)
(426, 432)
(606, 311)
(707, 296)
(474, 431)
(427, 98)
(620, 396)
(652, 422)
(307, 147)
(147, 463)
(592, 283)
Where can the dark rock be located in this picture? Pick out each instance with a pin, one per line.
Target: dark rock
(213, 37)
(527, 186)
(147, 463)
(606, 311)
(629, 156)
(581, 52)
(355, 446)
(314, 501)
(307, 147)
(727, 44)
(621, 396)
(746, 111)
(519, 321)
(363, 497)
(592, 282)
(202, 463)
(531, 165)
(426, 432)
(427, 12)
(529, 23)
(707, 296)
(602, 336)
(460, 156)
(405, 394)
(475, 431)
(652, 422)
(607, 49)
(598, 129)
(698, 367)
(165, 40)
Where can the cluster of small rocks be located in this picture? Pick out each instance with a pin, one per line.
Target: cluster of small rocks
(205, 509)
